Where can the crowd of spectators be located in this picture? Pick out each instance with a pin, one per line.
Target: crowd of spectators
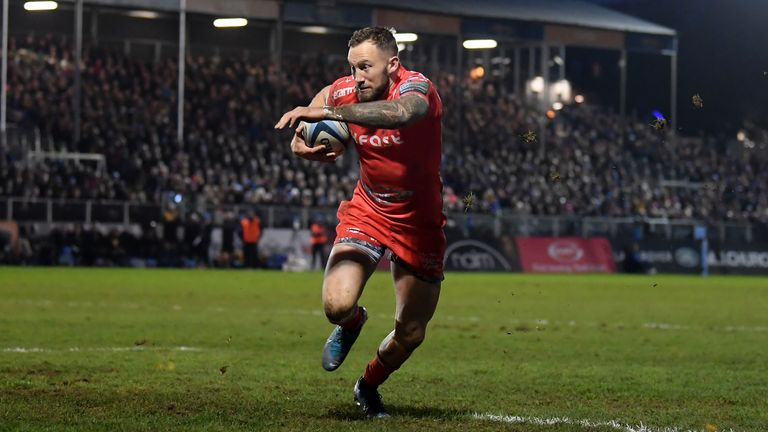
(590, 163)
(510, 156)
(229, 155)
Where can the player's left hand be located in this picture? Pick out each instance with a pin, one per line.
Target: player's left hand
(318, 153)
(294, 116)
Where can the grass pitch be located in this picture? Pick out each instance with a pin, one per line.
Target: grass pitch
(114, 349)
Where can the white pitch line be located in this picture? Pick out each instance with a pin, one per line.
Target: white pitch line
(743, 328)
(665, 326)
(74, 304)
(545, 322)
(471, 318)
(100, 349)
(587, 424)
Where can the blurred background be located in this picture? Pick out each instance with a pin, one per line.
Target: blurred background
(140, 133)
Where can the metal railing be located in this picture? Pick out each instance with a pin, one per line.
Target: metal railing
(25, 210)
(61, 211)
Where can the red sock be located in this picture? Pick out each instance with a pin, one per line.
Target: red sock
(354, 322)
(376, 372)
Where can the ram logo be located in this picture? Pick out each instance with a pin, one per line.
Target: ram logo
(472, 255)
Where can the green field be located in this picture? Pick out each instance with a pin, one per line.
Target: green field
(114, 349)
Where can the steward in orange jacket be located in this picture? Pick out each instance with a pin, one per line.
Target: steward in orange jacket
(251, 231)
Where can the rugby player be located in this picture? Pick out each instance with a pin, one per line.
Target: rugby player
(394, 116)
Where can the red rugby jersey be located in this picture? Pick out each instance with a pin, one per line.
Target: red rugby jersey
(399, 168)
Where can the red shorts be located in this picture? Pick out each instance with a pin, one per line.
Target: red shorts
(418, 250)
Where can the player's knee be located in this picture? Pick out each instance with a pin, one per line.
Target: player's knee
(410, 334)
(338, 311)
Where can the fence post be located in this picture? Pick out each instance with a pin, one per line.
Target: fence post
(49, 211)
(126, 217)
(88, 211)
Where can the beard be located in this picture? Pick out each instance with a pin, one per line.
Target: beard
(368, 94)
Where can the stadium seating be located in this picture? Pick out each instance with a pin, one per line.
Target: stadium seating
(588, 163)
(232, 155)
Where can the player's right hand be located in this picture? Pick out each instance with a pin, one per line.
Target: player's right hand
(294, 116)
(320, 153)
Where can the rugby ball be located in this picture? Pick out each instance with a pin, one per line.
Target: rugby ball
(332, 134)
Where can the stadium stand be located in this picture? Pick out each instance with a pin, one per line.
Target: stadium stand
(590, 165)
(231, 155)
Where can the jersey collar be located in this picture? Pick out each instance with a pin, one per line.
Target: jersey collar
(401, 73)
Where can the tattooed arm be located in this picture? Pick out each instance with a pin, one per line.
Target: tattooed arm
(393, 114)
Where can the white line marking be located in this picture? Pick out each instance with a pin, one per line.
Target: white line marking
(75, 304)
(317, 312)
(665, 326)
(100, 349)
(743, 328)
(587, 424)
(541, 323)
